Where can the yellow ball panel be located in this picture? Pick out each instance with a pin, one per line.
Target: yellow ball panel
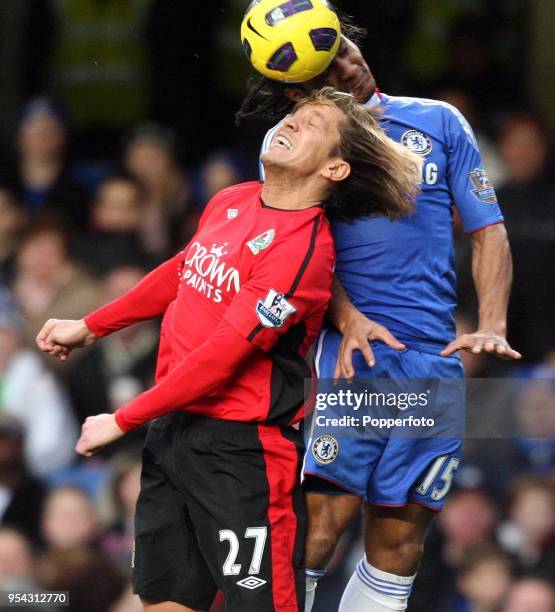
(291, 40)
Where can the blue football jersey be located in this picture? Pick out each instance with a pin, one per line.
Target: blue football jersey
(402, 273)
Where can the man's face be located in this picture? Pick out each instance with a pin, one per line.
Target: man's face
(348, 73)
(306, 139)
(42, 136)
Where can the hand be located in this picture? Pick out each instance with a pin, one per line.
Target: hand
(356, 336)
(97, 431)
(482, 341)
(58, 338)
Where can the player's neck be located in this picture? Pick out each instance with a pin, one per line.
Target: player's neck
(292, 194)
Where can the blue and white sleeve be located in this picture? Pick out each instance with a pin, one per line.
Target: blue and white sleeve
(472, 193)
(265, 146)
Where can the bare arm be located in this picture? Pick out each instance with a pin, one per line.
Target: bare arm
(492, 271)
(357, 331)
(341, 309)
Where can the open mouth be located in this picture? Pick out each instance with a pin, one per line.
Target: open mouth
(282, 141)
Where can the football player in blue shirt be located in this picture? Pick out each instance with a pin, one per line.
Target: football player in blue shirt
(393, 316)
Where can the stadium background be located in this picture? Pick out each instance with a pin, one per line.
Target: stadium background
(100, 185)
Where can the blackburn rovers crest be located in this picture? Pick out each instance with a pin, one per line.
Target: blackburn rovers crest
(261, 242)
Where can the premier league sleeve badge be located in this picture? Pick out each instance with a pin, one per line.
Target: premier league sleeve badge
(274, 310)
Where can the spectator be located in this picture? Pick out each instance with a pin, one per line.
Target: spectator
(50, 432)
(12, 219)
(535, 420)
(530, 595)
(528, 201)
(21, 495)
(483, 578)
(48, 283)
(17, 565)
(219, 171)
(463, 101)
(41, 170)
(510, 426)
(16, 556)
(116, 218)
(467, 521)
(529, 532)
(113, 372)
(94, 584)
(69, 521)
(524, 147)
(150, 157)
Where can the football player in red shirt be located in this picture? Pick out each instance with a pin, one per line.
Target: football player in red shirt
(220, 503)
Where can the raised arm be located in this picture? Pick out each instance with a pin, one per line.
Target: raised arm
(201, 373)
(492, 273)
(147, 300)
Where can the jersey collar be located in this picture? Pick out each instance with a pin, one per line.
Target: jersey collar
(377, 98)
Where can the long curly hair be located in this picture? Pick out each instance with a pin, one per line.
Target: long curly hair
(385, 176)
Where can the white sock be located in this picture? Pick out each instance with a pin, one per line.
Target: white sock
(371, 590)
(312, 577)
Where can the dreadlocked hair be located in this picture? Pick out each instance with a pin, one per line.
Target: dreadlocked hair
(265, 98)
(385, 176)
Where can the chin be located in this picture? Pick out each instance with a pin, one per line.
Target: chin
(365, 92)
(270, 160)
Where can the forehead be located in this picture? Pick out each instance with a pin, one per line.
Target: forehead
(41, 119)
(325, 114)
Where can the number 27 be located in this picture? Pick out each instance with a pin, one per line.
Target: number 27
(231, 568)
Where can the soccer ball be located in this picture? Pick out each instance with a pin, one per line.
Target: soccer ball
(291, 41)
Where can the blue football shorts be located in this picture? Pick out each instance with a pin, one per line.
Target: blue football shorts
(392, 467)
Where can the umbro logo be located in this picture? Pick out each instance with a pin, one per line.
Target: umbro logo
(232, 213)
(251, 583)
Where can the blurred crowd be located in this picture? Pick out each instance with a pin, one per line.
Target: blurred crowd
(90, 201)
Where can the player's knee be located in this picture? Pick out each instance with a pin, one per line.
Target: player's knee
(320, 546)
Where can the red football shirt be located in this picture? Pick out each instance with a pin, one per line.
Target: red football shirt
(262, 273)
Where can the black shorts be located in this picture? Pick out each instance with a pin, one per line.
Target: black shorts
(221, 508)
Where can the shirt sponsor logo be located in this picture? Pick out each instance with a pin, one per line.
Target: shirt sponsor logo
(261, 242)
(417, 142)
(232, 213)
(325, 449)
(205, 271)
(274, 310)
(484, 191)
